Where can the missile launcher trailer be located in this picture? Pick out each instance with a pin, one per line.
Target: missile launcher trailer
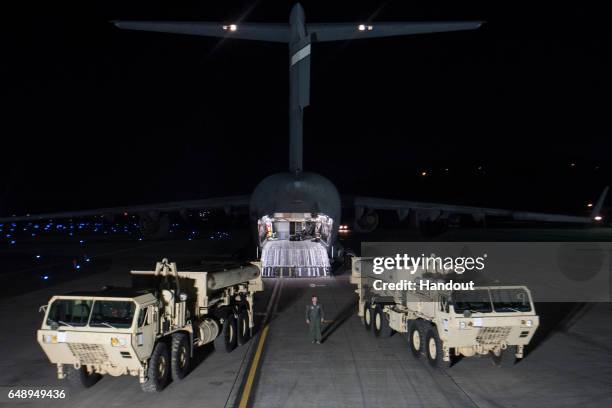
(151, 329)
(444, 324)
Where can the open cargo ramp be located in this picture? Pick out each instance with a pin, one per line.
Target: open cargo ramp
(285, 258)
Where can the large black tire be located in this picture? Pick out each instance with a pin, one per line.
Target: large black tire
(158, 369)
(505, 358)
(227, 339)
(180, 355)
(415, 338)
(380, 323)
(367, 316)
(80, 378)
(434, 351)
(244, 331)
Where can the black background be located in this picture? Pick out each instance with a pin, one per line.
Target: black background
(97, 116)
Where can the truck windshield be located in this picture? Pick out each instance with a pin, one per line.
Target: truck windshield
(511, 300)
(477, 300)
(117, 314)
(69, 312)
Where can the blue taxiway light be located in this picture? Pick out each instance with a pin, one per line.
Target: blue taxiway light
(37, 256)
(13, 242)
(78, 266)
(46, 277)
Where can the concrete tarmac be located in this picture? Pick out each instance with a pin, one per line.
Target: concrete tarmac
(568, 364)
(571, 366)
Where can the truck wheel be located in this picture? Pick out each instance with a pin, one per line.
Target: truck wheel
(380, 323)
(505, 358)
(227, 338)
(416, 339)
(434, 351)
(158, 369)
(80, 378)
(244, 331)
(179, 356)
(367, 316)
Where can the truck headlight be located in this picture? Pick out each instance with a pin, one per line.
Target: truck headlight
(462, 325)
(527, 323)
(49, 338)
(118, 342)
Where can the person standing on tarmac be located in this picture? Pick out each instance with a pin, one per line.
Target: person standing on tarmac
(314, 318)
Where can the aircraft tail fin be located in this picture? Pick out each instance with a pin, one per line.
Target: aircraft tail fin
(599, 204)
(244, 31)
(299, 36)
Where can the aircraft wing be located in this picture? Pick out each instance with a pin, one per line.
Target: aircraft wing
(347, 31)
(207, 203)
(244, 31)
(435, 210)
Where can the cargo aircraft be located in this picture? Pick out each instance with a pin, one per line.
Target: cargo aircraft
(295, 214)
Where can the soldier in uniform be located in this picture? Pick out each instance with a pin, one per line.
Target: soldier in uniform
(314, 318)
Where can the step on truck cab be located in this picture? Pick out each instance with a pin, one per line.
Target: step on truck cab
(443, 324)
(151, 329)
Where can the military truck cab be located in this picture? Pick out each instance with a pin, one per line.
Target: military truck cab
(89, 334)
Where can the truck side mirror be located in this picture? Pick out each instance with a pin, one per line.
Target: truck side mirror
(42, 309)
(444, 304)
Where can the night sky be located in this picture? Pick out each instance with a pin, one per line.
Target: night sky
(97, 116)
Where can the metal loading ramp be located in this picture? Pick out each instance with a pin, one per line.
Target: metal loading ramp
(294, 259)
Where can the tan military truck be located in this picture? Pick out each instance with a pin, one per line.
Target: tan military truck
(444, 324)
(151, 329)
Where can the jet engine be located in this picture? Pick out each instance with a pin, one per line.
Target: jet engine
(366, 220)
(432, 228)
(152, 225)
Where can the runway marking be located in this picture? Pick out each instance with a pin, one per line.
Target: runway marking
(250, 380)
(246, 394)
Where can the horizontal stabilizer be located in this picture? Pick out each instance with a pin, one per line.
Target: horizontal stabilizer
(246, 31)
(352, 31)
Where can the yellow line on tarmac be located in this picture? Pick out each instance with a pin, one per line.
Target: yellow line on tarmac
(248, 386)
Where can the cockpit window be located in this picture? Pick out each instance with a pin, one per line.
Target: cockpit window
(117, 314)
(69, 312)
